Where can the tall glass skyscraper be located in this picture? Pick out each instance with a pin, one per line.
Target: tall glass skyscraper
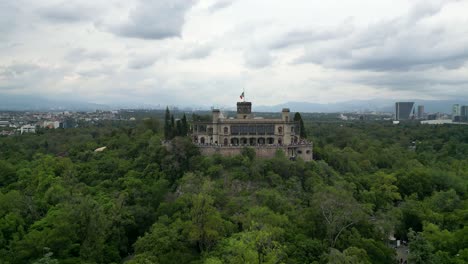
(403, 110)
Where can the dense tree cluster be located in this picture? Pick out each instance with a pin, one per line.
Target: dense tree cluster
(147, 200)
(174, 128)
(298, 118)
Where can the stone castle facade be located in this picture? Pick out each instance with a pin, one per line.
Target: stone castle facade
(228, 136)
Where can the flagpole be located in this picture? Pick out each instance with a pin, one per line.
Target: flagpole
(243, 92)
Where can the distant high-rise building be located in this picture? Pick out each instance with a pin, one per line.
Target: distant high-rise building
(420, 111)
(456, 110)
(464, 113)
(403, 110)
(464, 110)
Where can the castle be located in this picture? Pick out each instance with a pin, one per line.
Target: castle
(228, 136)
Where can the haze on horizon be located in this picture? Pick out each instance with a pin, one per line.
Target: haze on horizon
(205, 52)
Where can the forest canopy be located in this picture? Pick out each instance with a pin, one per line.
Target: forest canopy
(147, 200)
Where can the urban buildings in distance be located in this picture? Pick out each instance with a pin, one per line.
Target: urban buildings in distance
(420, 111)
(459, 113)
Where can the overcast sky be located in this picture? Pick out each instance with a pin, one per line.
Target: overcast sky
(205, 52)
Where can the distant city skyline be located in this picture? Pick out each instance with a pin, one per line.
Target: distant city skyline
(196, 52)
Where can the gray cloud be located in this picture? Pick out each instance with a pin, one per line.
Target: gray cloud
(414, 80)
(17, 70)
(141, 62)
(257, 58)
(197, 52)
(81, 54)
(68, 12)
(394, 45)
(103, 70)
(422, 9)
(220, 4)
(29, 76)
(155, 19)
(9, 17)
(301, 37)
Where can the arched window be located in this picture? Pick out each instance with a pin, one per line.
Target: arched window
(226, 130)
(280, 141)
(280, 130)
(225, 142)
(202, 140)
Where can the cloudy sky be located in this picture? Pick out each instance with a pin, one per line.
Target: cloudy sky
(204, 52)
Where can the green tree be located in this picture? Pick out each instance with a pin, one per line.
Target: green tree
(206, 226)
(248, 247)
(298, 118)
(7, 173)
(351, 255)
(167, 124)
(339, 211)
(185, 126)
(420, 250)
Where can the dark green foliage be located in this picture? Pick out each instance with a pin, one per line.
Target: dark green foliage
(167, 124)
(298, 118)
(174, 128)
(149, 200)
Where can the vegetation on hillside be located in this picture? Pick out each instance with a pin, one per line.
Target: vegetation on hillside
(142, 201)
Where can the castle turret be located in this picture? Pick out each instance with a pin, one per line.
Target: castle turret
(285, 114)
(216, 114)
(244, 110)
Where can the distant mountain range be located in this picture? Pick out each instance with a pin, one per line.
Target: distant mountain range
(39, 103)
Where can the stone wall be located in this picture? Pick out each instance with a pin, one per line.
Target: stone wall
(262, 152)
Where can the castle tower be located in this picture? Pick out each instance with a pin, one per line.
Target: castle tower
(285, 114)
(244, 110)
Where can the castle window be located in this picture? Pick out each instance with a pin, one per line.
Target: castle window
(299, 151)
(225, 142)
(202, 140)
(280, 130)
(308, 151)
(226, 130)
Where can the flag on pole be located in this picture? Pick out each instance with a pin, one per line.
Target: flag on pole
(242, 95)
